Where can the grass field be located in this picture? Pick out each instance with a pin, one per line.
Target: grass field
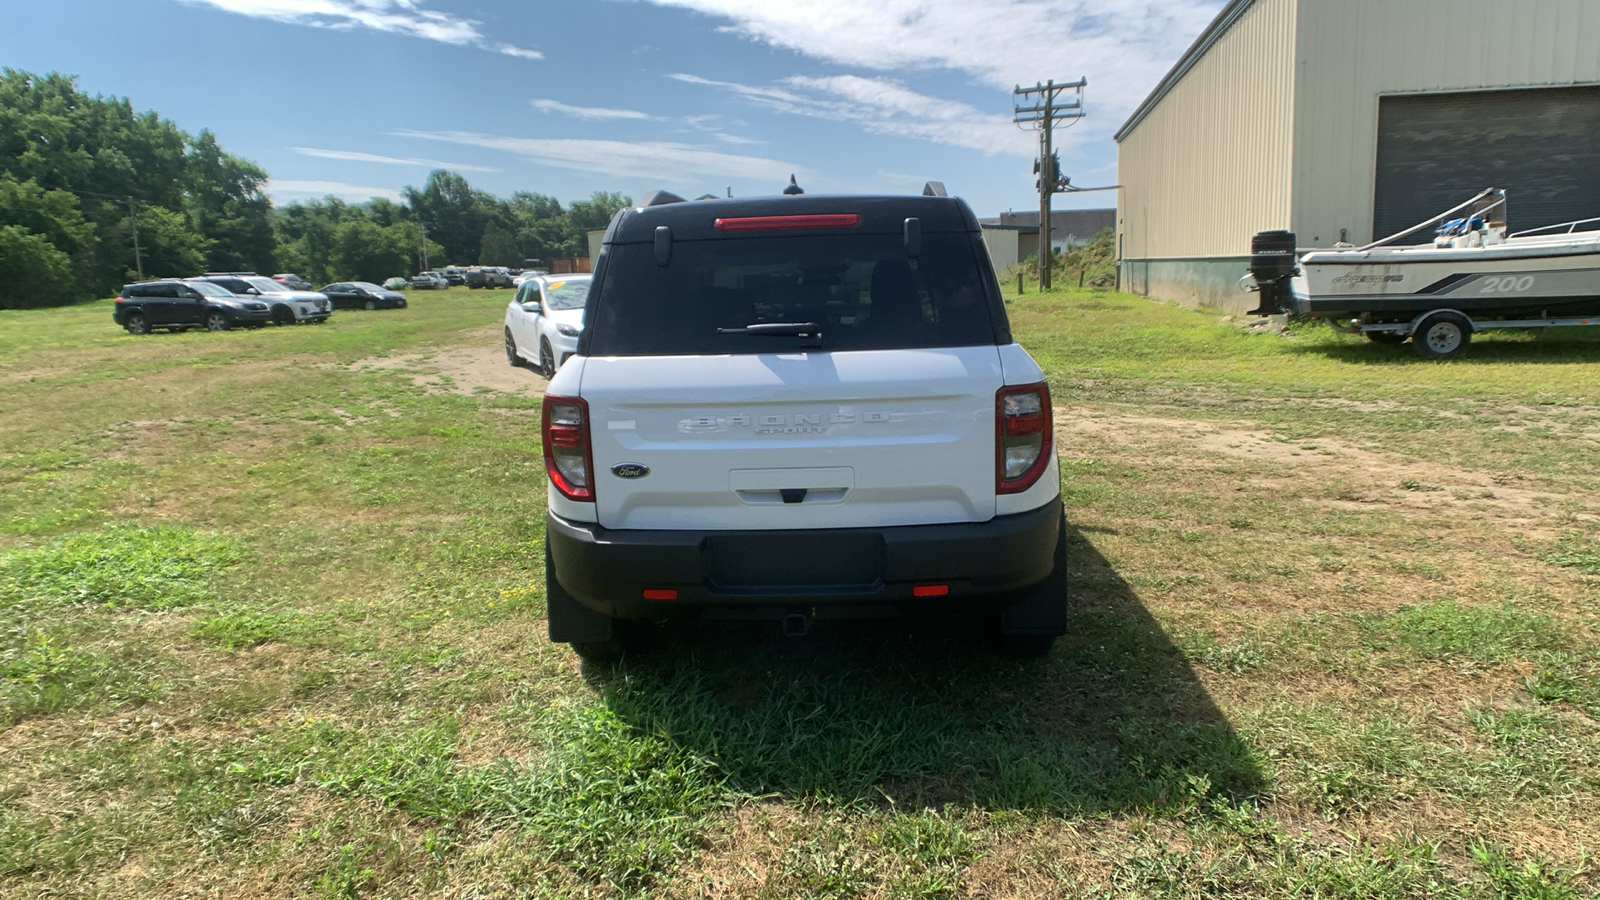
(271, 625)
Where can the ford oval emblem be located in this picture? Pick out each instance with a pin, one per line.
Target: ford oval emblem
(630, 470)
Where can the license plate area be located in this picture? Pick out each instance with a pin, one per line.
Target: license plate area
(791, 562)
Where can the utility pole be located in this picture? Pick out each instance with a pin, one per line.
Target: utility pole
(424, 250)
(138, 259)
(1041, 107)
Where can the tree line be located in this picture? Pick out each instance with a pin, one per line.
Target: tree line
(82, 178)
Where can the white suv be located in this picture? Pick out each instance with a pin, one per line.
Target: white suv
(798, 408)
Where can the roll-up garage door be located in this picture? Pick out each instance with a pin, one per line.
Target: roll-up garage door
(1437, 150)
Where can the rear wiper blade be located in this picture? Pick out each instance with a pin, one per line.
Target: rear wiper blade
(777, 329)
(809, 333)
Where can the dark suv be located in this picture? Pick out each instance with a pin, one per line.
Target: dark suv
(178, 306)
(829, 418)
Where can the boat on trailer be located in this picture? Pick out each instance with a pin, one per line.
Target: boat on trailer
(1474, 276)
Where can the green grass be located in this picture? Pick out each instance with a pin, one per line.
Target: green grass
(270, 625)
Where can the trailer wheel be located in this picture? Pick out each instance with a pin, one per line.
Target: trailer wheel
(1385, 337)
(1442, 335)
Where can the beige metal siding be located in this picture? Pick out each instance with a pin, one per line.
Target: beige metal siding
(1211, 164)
(1353, 51)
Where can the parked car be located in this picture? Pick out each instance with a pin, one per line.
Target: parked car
(796, 408)
(526, 274)
(544, 320)
(488, 277)
(456, 275)
(292, 280)
(179, 306)
(429, 281)
(396, 283)
(288, 304)
(363, 295)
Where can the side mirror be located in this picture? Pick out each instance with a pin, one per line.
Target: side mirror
(531, 306)
(252, 291)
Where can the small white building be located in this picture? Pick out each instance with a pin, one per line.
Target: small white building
(1351, 120)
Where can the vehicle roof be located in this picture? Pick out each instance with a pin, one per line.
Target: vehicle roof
(696, 219)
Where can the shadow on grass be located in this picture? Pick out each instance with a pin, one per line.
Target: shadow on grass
(1549, 345)
(860, 714)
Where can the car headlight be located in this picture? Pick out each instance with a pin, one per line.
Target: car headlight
(567, 330)
(256, 306)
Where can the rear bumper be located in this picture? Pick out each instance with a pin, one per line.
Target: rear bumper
(983, 564)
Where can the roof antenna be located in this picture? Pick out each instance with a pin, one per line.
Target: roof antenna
(793, 189)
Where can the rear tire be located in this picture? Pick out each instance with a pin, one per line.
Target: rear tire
(136, 323)
(1029, 627)
(1442, 335)
(594, 636)
(512, 356)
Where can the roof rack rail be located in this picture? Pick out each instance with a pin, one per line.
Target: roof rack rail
(660, 198)
(204, 274)
(934, 189)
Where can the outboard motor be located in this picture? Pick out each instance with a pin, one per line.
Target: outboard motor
(1272, 263)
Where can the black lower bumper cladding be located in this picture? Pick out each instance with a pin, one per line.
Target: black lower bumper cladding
(841, 572)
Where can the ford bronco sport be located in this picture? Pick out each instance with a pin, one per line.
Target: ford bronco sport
(798, 408)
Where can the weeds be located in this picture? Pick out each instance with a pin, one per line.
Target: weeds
(121, 566)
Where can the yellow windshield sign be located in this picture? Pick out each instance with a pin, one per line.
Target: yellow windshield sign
(553, 285)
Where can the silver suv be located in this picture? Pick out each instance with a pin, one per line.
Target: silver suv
(288, 305)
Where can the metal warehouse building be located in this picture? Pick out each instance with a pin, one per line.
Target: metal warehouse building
(1350, 120)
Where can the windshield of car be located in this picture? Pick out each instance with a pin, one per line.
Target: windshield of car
(210, 290)
(365, 285)
(860, 291)
(566, 294)
(267, 285)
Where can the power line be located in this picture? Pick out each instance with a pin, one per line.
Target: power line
(1048, 107)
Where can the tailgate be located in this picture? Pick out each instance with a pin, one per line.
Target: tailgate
(805, 440)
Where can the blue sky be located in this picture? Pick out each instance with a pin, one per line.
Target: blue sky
(358, 98)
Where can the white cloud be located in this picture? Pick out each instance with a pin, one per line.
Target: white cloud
(884, 107)
(514, 50)
(300, 190)
(588, 113)
(406, 17)
(358, 156)
(734, 138)
(1123, 46)
(665, 161)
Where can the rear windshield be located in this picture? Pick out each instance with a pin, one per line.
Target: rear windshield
(861, 291)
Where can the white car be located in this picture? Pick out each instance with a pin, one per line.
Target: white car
(288, 305)
(544, 320)
(528, 275)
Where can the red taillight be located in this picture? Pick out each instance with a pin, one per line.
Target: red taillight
(567, 455)
(784, 223)
(1023, 436)
(930, 590)
(660, 594)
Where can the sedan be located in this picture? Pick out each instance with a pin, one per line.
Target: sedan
(429, 281)
(544, 321)
(363, 295)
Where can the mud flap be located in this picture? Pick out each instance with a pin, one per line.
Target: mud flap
(1042, 610)
(570, 621)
